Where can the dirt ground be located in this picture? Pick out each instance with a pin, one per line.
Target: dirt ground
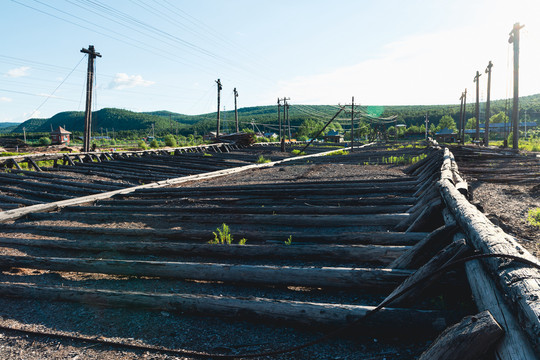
(507, 206)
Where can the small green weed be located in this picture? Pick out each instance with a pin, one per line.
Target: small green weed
(207, 154)
(262, 160)
(298, 152)
(288, 241)
(223, 235)
(534, 217)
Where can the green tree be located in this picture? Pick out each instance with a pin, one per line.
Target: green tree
(471, 123)
(154, 144)
(499, 118)
(170, 141)
(447, 122)
(44, 141)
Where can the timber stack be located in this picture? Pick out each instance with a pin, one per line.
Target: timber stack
(224, 258)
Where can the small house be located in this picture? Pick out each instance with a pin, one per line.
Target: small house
(446, 135)
(60, 136)
(333, 136)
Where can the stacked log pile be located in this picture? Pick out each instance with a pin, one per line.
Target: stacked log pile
(321, 253)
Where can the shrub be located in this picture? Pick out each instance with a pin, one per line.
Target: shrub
(298, 152)
(141, 144)
(44, 141)
(170, 141)
(534, 217)
(154, 144)
(262, 160)
(223, 235)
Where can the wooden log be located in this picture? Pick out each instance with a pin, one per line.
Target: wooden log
(429, 218)
(304, 220)
(360, 238)
(34, 194)
(427, 197)
(520, 282)
(377, 254)
(431, 198)
(424, 250)
(56, 182)
(16, 179)
(389, 320)
(470, 339)
(55, 175)
(514, 345)
(418, 282)
(32, 163)
(321, 210)
(13, 199)
(326, 277)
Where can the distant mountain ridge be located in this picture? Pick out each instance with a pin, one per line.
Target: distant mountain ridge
(166, 121)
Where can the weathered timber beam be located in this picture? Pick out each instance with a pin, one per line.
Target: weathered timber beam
(268, 219)
(514, 345)
(355, 253)
(328, 277)
(520, 282)
(418, 282)
(421, 252)
(470, 339)
(387, 320)
(375, 238)
(328, 210)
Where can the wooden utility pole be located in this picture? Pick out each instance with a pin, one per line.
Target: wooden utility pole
(464, 122)
(460, 123)
(24, 134)
(488, 103)
(236, 109)
(288, 122)
(281, 136)
(92, 54)
(352, 124)
(477, 108)
(514, 38)
(219, 87)
(279, 117)
(427, 123)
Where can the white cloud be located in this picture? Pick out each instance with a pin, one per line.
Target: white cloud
(125, 81)
(5, 99)
(18, 72)
(428, 69)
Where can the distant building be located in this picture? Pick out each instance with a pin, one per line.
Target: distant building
(333, 136)
(270, 135)
(60, 136)
(446, 135)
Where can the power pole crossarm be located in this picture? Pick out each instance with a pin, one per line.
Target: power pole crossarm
(92, 54)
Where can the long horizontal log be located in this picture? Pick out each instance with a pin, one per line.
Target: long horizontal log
(353, 253)
(388, 320)
(13, 199)
(46, 186)
(375, 238)
(69, 184)
(276, 192)
(55, 175)
(34, 194)
(326, 210)
(127, 200)
(520, 282)
(268, 219)
(326, 277)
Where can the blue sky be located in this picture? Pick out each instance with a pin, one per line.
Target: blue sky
(167, 54)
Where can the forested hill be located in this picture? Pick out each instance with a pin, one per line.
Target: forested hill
(165, 121)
